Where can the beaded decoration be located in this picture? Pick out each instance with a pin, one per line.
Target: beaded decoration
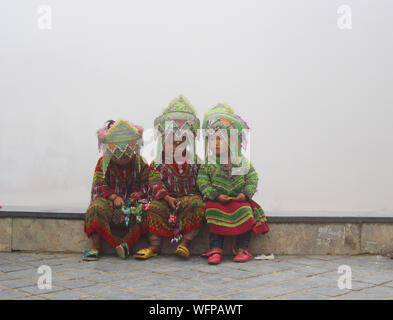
(177, 223)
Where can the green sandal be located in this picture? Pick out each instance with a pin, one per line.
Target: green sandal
(90, 255)
(123, 251)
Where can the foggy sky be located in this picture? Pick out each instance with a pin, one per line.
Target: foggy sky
(319, 100)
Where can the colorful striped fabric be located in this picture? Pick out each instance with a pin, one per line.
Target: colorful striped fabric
(178, 181)
(98, 219)
(173, 179)
(231, 219)
(123, 182)
(216, 179)
(234, 217)
(191, 215)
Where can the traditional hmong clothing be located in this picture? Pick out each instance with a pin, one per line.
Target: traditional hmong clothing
(235, 217)
(110, 179)
(178, 181)
(236, 176)
(167, 180)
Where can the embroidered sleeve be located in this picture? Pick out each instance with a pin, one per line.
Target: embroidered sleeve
(251, 183)
(157, 188)
(204, 183)
(100, 187)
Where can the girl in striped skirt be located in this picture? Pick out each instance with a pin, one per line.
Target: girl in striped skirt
(176, 210)
(121, 174)
(228, 181)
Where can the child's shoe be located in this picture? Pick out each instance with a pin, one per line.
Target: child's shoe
(243, 256)
(183, 251)
(122, 250)
(145, 254)
(90, 255)
(214, 256)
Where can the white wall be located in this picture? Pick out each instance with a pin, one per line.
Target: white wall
(318, 99)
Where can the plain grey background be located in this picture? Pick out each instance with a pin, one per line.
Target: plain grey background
(318, 99)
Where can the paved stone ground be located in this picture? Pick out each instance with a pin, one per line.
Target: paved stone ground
(170, 277)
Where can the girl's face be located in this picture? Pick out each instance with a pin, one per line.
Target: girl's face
(172, 141)
(124, 160)
(219, 145)
(175, 149)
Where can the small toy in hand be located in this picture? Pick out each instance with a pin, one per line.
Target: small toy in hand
(126, 209)
(134, 206)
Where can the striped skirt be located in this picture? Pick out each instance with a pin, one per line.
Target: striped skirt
(98, 218)
(235, 218)
(191, 214)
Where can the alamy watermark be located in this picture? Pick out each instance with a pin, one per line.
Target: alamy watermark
(45, 281)
(44, 20)
(219, 146)
(344, 21)
(345, 280)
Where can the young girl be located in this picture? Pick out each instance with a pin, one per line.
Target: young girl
(177, 210)
(228, 181)
(121, 173)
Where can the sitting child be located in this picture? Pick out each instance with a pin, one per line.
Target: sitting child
(228, 182)
(121, 174)
(177, 210)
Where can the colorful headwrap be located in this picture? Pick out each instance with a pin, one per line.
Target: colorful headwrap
(178, 109)
(179, 117)
(222, 117)
(121, 138)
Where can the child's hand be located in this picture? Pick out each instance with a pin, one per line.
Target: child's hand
(118, 202)
(241, 197)
(136, 194)
(172, 202)
(223, 198)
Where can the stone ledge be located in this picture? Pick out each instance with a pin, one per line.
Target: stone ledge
(56, 231)
(79, 215)
(5, 234)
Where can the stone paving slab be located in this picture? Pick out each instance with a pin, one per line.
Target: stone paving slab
(300, 296)
(169, 278)
(9, 294)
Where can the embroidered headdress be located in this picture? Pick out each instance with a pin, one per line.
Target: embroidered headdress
(179, 118)
(222, 117)
(118, 139)
(179, 113)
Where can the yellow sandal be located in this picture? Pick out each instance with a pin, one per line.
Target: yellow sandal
(182, 251)
(145, 254)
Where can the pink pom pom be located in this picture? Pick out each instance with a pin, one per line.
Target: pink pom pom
(139, 128)
(102, 132)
